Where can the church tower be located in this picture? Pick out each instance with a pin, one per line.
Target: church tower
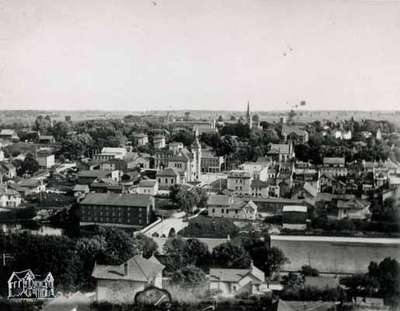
(196, 151)
(249, 120)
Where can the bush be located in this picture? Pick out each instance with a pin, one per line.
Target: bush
(205, 227)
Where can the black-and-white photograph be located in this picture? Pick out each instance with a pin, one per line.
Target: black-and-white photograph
(199, 155)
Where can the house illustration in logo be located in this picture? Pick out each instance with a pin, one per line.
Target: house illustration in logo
(26, 284)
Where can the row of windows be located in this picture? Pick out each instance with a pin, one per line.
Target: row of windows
(166, 180)
(227, 211)
(120, 220)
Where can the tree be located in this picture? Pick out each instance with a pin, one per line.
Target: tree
(309, 271)
(196, 253)
(230, 256)
(146, 245)
(189, 276)
(173, 250)
(120, 246)
(29, 165)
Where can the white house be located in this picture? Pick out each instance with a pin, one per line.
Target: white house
(230, 282)
(108, 153)
(120, 283)
(159, 141)
(353, 209)
(229, 207)
(148, 186)
(9, 197)
(45, 158)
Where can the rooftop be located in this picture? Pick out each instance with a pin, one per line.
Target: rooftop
(116, 199)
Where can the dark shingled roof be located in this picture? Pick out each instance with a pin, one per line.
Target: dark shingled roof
(116, 199)
(139, 269)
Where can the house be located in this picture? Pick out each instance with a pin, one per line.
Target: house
(167, 178)
(80, 191)
(87, 177)
(9, 197)
(123, 210)
(334, 166)
(29, 186)
(281, 152)
(46, 139)
(45, 158)
(211, 163)
(120, 283)
(159, 141)
(258, 170)
(260, 188)
(141, 139)
(114, 165)
(353, 209)
(137, 160)
(147, 186)
(9, 135)
(294, 217)
(225, 206)
(334, 162)
(294, 133)
(231, 282)
(239, 182)
(8, 170)
(108, 153)
(187, 163)
(26, 284)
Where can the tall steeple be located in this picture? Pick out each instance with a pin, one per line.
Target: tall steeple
(248, 116)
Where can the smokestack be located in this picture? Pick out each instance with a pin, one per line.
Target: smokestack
(126, 270)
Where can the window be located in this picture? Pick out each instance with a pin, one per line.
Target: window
(172, 180)
(222, 210)
(213, 210)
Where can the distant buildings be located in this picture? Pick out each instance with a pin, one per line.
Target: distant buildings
(120, 283)
(26, 284)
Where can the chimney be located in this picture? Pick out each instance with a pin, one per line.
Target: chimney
(126, 268)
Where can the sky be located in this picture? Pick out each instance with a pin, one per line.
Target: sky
(199, 54)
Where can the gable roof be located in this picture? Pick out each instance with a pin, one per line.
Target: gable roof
(333, 161)
(139, 270)
(168, 172)
(235, 275)
(93, 174)
(147, 183)
(219, 199)
(279, 149)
